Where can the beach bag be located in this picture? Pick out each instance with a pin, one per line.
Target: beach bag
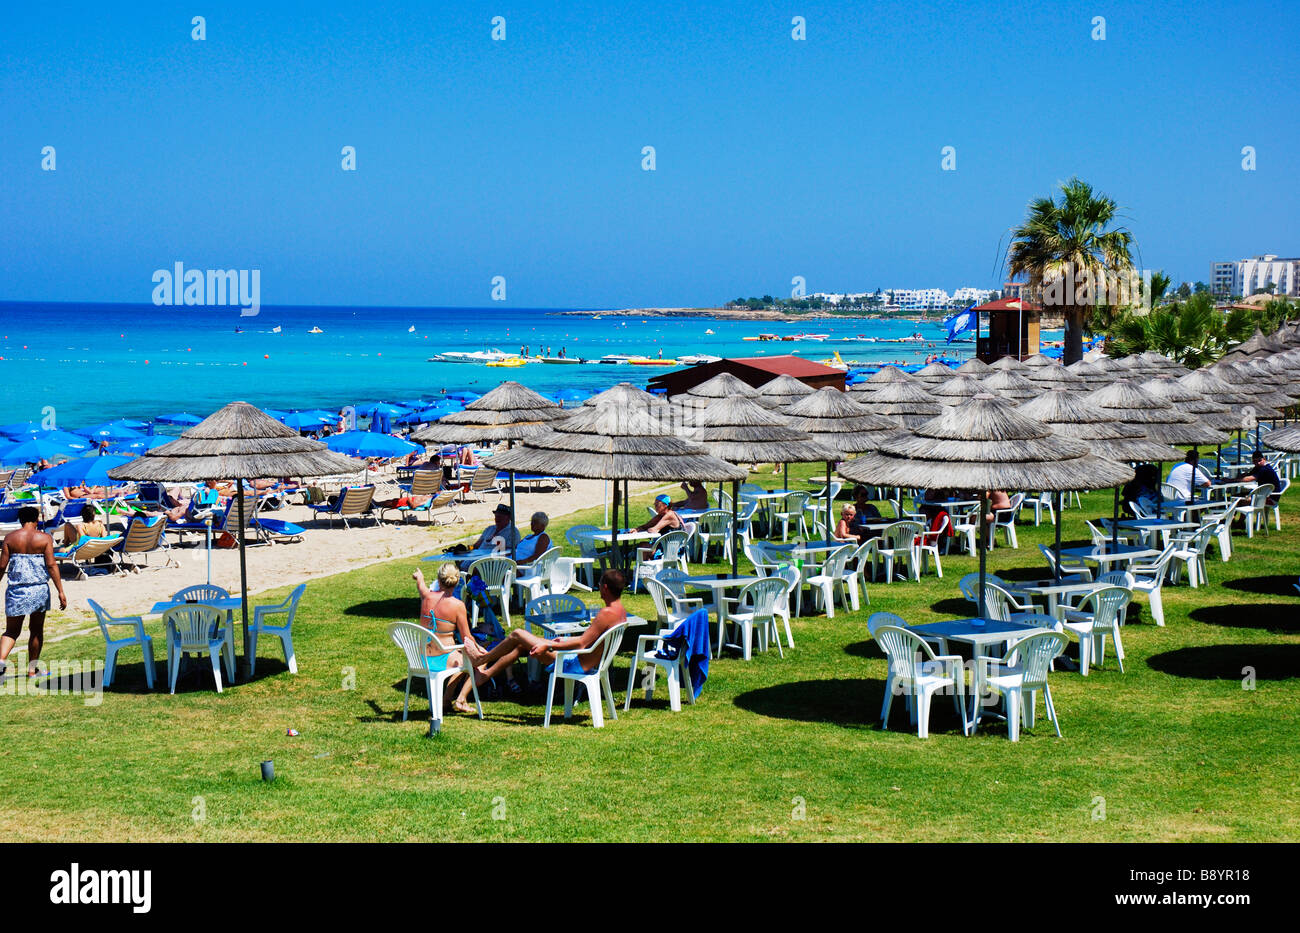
(226, 540)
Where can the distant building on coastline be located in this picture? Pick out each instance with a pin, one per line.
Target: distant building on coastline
(1247, 276)
(1015, 289)
(913, 299)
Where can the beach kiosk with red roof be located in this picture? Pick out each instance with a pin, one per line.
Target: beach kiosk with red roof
(1012, 329)
(757, 371)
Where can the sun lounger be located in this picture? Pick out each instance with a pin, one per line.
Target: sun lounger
(353, 502)
(144, 536)
(85, 551)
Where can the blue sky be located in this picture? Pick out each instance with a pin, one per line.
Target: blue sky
(522, 158)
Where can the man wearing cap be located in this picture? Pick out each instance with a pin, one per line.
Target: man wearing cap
(501, 534)
(665, 518)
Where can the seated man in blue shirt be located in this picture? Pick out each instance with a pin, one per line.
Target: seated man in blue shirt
(1263, 474)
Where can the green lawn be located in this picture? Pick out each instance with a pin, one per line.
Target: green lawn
(788, 749)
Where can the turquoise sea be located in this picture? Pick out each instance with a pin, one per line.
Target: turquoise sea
(95, 362)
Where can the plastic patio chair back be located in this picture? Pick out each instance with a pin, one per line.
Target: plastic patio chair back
(544, 562)
(906, 651)
(763, 596)
(1034, 656)
(201, 593)
(835, 561)
(411, 638)
(612, 640)
(193, 625)
(493, 571)
(877, 619)
(900, 535)
(550, 609)
(673, 579)
(998, 602)
(1121, 578)
(1106, 604)
(671, 545)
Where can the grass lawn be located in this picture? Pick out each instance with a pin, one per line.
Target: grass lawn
(787, 749)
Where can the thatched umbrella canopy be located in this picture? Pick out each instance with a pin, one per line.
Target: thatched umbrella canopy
(1266, 400)
(957, 389)
(1160, 361)
(1212, 386)
(1286, 439)
(974, 367)
(1009, 385)
(239, 442)
(507, 413)
(1257, 345)
(784, 390)
(984, 444)
(907, 403)
(1137, 367)
(1057, 377)
(615, 443)
(624, 394)
(723, 385)
(1008, 364)
(1206, 410)
(1124, 402)
(739, 430)
(887, 375)
(1040, 360)
(1091, 373)
(1069, 414)
(1112, 368)
(836, 420)
(934, 373)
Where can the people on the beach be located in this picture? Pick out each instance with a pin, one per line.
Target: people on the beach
(665, 520)
(1261, 473)
(27, 555)
(90, 527)
(501, 535)
(521, 643)
(1143, 490)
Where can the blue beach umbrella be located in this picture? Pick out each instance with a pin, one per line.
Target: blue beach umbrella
(21, 428)
(383, 408)
(414, 404)
(140, 445)
(130, 423)
(84, 471)
(65, 438)
(181, 417)
(33, 451)
(276, 414)
(572, 395)
(369, 444)
(109, 432)
(304, 420)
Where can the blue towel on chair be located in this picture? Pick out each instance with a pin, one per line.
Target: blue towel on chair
(691, 636)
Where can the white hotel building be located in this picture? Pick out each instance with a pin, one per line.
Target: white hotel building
(1244, 277)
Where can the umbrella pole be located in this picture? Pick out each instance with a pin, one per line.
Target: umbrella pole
(604, 492)
(615, 562)
(1057, 523)
(735, 521)
(983, 547)
(627, 522)
(208, 523)
(514, 519)
(243, 569)
(1114, 522)
(828, 502)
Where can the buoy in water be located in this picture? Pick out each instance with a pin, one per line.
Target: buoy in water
(265, 356)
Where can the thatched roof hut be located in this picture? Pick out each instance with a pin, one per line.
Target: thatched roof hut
(625, 394)
(1009, 385)
(957, 389)
(833, 418)
(934, 373)
(739, 430)
(908, 403)
(784, 390)
(507, 413)
(1286, 439)
(1159, 420)
(1008, 364)
(1206, 410)
(974, 367)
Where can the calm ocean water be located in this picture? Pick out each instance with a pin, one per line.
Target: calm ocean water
(93, 363)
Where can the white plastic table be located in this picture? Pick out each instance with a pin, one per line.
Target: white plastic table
(1126, 553)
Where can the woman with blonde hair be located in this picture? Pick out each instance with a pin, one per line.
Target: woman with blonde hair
(444, 615)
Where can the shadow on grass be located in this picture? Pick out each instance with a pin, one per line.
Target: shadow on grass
(852, 703)
(953, 607)
(1280, 618)
(1227, 662)
(400, 609)
(1278, 585)
(864, 649)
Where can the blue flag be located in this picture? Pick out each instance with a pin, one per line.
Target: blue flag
(961, 321)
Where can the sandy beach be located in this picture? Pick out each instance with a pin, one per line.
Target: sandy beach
(323, 552)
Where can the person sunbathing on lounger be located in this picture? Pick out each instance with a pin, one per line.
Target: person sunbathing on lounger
(90, 527)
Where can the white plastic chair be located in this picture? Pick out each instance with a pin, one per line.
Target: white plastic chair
(671, 548)
(1003, 606)
(755, 610)
(534, 580)
(1040, 502)
(579, 536)
(113, 645)
(896, 546)
(1150, 578)
(914, 669)
(927, 543)
(676, 670)
(1256, 512)
(831, 578)
(497, 574)
(965, 525)
(1018, 676)
(855, 575)
(1073, 569)
(765, 563)
(1097, 618)
(198, 629)
(671, 608)
(791, 509)
(713, 529)
(284, 631)
(1190, 551)
(412, 639)
(599, 691)
(1276, 507)
(791, 576)
(1005, 519)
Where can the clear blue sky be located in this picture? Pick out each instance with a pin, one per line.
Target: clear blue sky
(522, 158)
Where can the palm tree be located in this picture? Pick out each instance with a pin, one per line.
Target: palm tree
(1063, 245)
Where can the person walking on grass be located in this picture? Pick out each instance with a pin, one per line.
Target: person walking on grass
(27, 555)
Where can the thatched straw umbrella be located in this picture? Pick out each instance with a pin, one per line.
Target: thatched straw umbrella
(723, 385)
(1009, 385)
(957, 389)
(239, 443)
(1094, 375)
(783, 390)
(1111, 368)
(1040, 360)
(739, 430)
(616, 443)
(1057, 377)
(1206, 410)
(624, 394)
(984, 444)
(1008, 364)
(909, 404)
(1285, 439)
(1068, 414)
(1123, 401)
(974, 367)
(887, 375)
(934, 373)
(507, 413)
(836, 420)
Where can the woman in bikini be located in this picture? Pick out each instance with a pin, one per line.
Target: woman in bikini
(445, 616)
